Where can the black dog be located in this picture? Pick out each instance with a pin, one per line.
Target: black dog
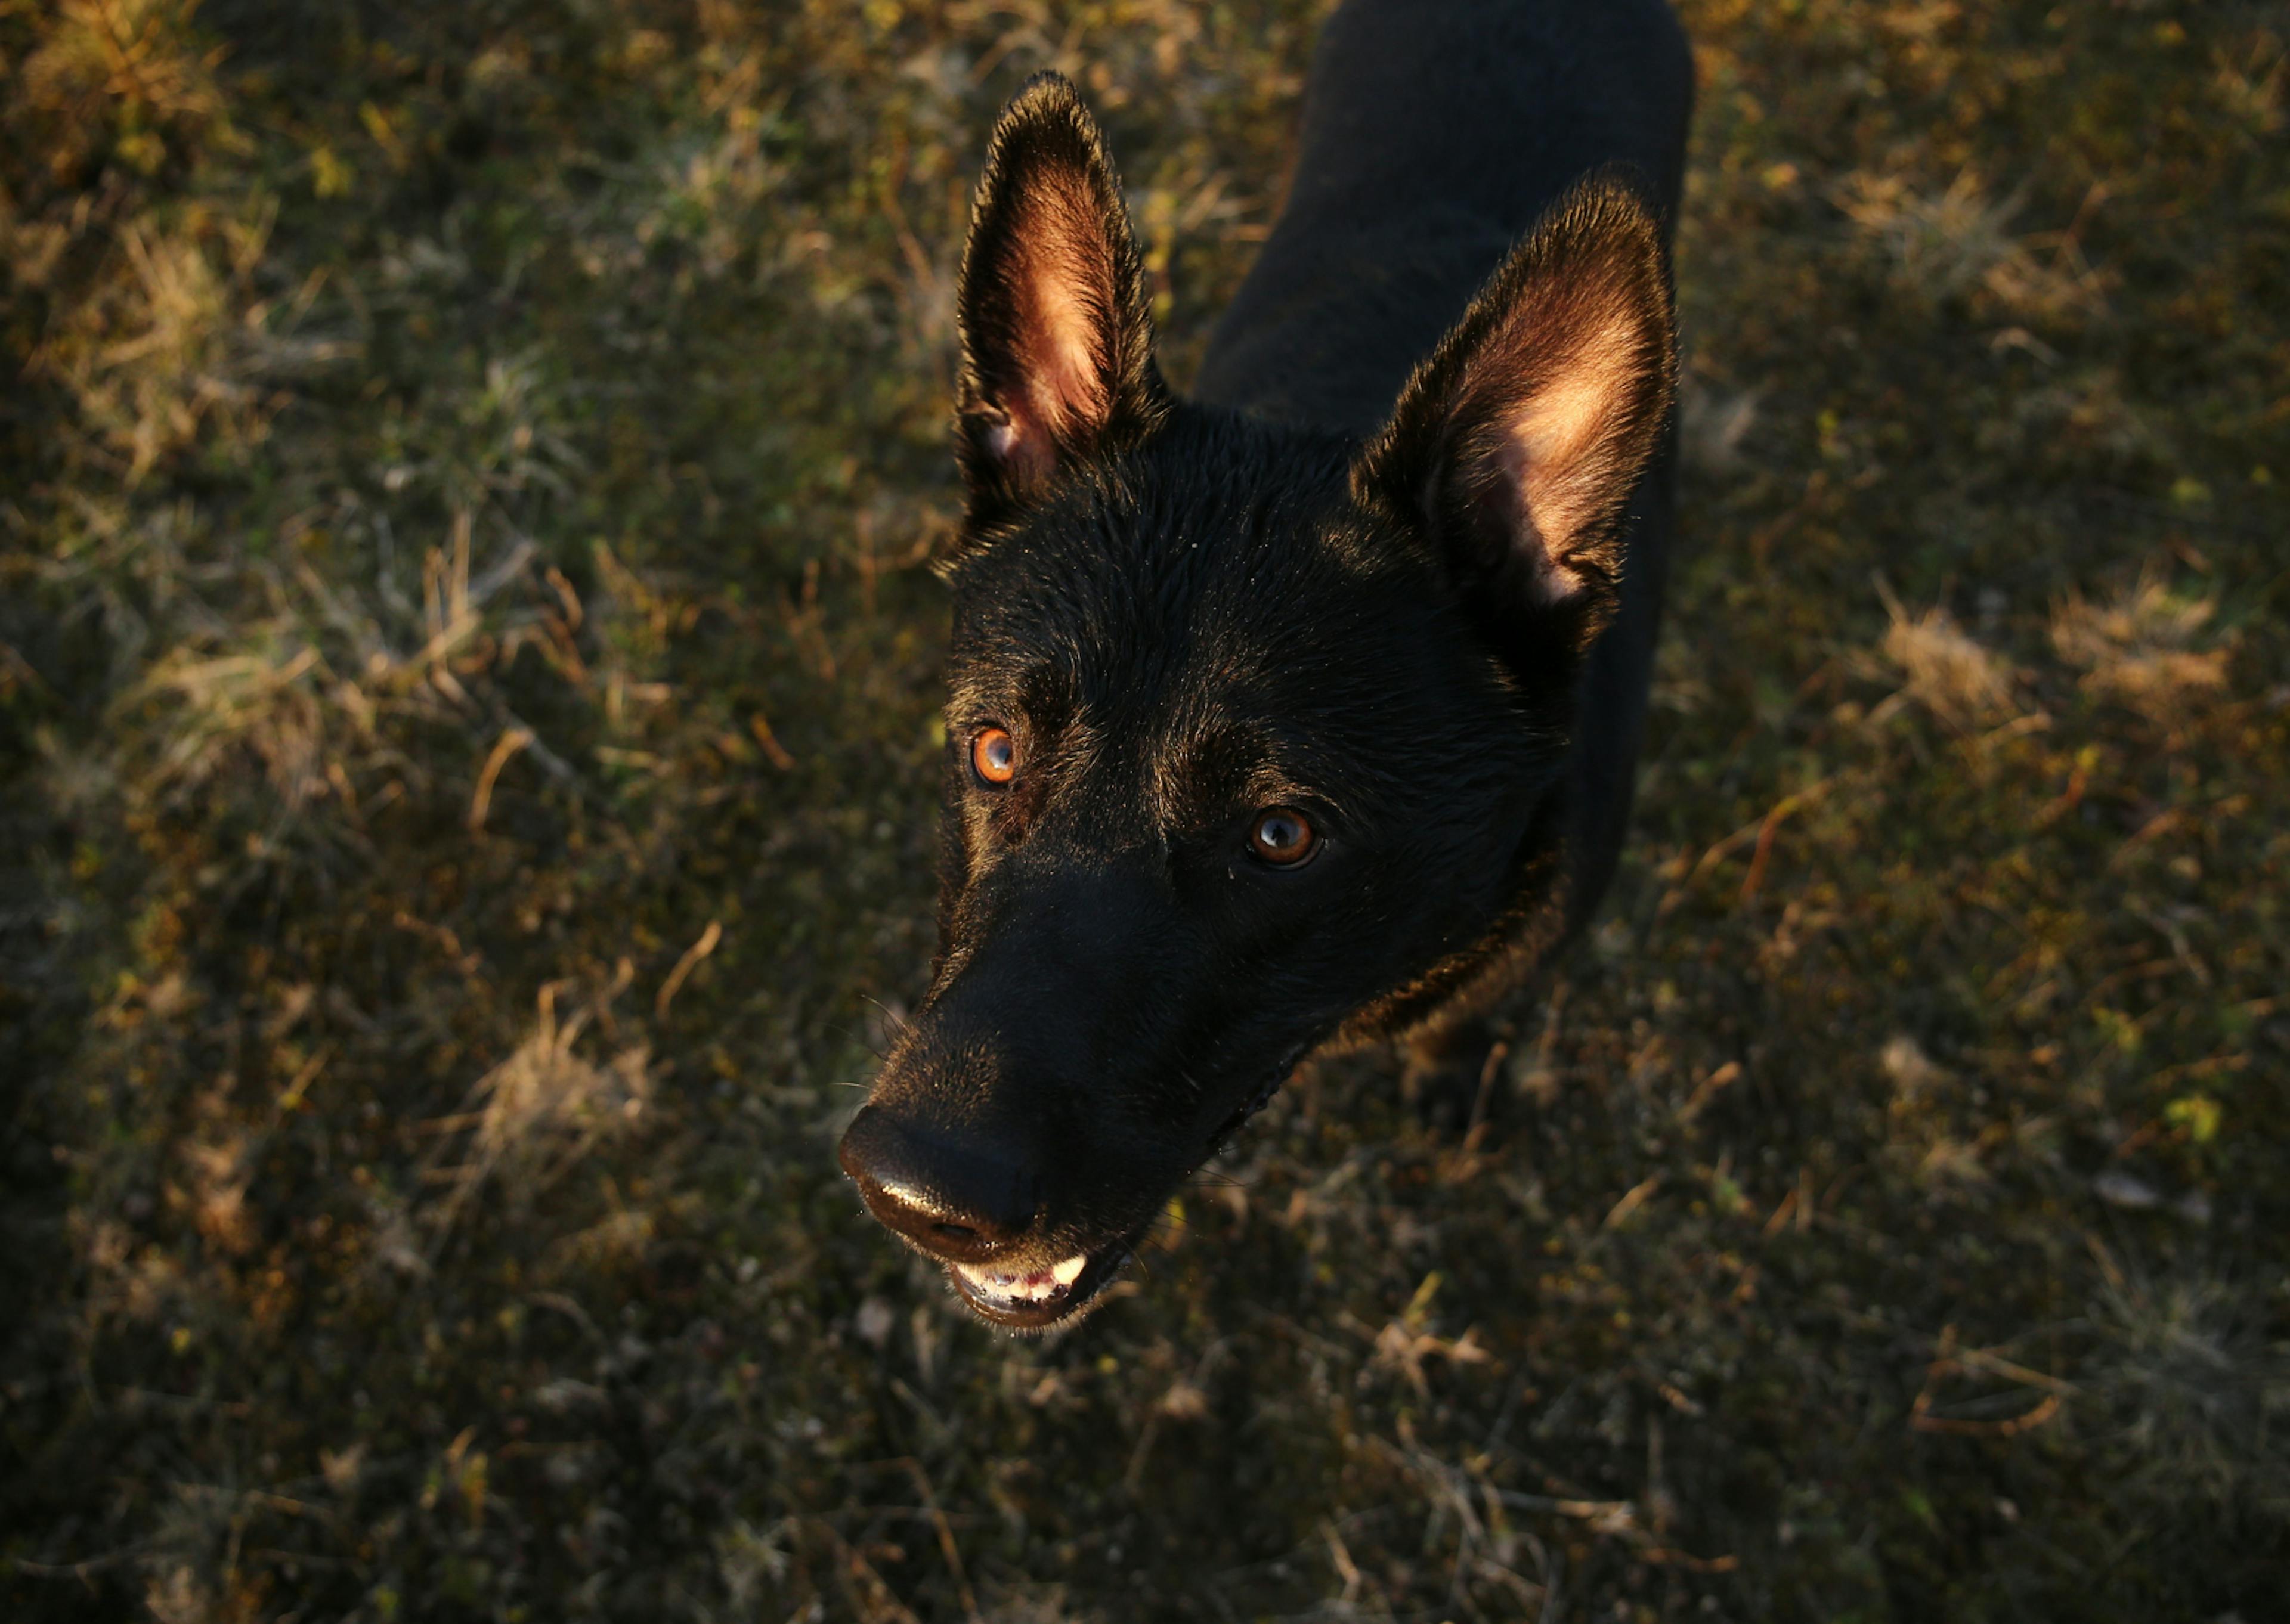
(1306, 710)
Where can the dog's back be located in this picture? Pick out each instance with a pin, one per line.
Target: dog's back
(1436, 134)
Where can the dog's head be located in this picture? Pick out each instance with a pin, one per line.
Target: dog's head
(1252, 729)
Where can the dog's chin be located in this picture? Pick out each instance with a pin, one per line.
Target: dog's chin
(1032, 1297)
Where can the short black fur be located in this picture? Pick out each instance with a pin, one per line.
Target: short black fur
(1322, 688)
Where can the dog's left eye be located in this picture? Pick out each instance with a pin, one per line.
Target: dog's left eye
(994, 756)
(1282, 836)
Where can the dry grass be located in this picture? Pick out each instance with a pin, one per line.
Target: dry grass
(538, 1115)
(1953, 675)
(2140, 646)
(1945, 243)
(467, 763)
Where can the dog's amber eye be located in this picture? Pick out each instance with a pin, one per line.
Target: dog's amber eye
(1282, 836)
(994, 756)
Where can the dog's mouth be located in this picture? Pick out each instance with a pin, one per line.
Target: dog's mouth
(1026, 1298)
(1033, 1296)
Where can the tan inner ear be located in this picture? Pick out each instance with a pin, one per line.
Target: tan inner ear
(1063, 283)
(1557, 447)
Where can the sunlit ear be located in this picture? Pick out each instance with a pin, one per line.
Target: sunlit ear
(1515, 446)
(1057, 331)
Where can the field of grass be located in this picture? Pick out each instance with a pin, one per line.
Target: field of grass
(468, 730)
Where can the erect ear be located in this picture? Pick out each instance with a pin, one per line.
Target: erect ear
(1514, 447)
(1057, 332)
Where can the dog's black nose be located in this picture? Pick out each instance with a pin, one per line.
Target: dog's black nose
(957, 1195)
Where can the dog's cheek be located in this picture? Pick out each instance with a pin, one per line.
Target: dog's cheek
(1423, 905)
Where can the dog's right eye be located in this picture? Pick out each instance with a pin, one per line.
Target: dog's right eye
(994, 756)
(1282, 838)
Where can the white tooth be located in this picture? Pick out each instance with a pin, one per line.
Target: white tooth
(1069, 1271)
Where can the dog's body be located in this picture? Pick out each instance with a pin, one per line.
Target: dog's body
(1306, 710)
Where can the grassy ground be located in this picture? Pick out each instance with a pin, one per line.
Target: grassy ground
(467, 685)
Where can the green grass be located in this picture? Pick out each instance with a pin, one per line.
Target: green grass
(467, 757)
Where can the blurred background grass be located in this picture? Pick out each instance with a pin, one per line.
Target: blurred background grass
(467, 743)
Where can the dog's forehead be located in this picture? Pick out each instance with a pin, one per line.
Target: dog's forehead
(1219, 612)
(1216, 550)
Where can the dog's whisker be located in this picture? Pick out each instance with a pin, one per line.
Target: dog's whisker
(896, 1023)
